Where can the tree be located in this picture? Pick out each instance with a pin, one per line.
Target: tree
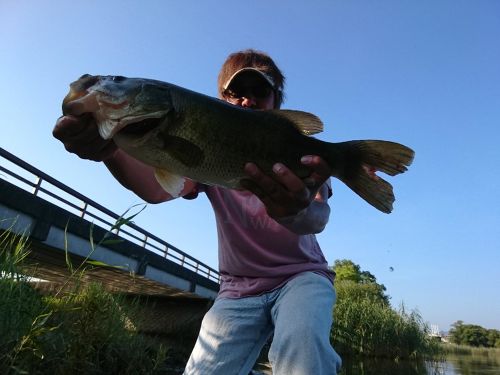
(474, 335)
(359, 284)
(456, 332)
(346, 269)
(493, 338)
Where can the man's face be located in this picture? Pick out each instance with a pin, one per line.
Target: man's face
(250, 90)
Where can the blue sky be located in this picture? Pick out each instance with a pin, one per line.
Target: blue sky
(426, 74)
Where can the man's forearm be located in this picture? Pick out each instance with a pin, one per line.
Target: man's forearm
(136, 176)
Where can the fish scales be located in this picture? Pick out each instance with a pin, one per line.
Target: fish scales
(230, 141)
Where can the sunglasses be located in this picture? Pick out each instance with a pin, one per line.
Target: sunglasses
(256, 91)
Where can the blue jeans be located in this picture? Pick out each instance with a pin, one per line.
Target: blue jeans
(299, 313)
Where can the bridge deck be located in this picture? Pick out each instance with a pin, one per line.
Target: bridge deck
(137, 261)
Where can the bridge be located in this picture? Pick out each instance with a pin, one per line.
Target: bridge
(66, 230)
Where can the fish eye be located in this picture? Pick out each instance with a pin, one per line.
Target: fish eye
(118, 78)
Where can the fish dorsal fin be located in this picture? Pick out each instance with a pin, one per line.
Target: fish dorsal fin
(171, 183)
(305, 122)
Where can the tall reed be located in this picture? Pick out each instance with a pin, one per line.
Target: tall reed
(370, 327)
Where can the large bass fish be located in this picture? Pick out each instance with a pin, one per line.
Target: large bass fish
(184, 134)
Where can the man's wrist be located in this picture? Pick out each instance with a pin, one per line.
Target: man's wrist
(292, 219)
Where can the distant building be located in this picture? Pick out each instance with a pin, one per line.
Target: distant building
(434, 332)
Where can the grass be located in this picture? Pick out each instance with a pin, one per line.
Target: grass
(91, 331)
(86, 330)
(454, 349)
(369, 327)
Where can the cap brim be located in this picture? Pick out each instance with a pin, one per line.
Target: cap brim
(266, 77)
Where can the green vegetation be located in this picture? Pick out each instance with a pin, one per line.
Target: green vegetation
(86, 330)
(89, 330)
(365, 324)
(472, 360)
(474, 335)
(455, 349)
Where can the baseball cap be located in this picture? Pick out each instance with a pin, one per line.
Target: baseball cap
(261, 73)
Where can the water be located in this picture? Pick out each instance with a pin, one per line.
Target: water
(472, 365)
(464, 364)
(453, 365)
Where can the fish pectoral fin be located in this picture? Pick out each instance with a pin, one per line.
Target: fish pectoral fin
(183, 150)
(305, 122)
(171, 183)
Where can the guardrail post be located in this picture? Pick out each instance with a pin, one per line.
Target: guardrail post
(84, 209)
(36, 188)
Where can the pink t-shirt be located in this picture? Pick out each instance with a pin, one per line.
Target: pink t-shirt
(256, 254)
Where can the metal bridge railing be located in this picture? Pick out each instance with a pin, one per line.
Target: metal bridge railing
(50, 189)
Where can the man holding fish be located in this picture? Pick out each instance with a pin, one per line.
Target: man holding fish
(275, 280)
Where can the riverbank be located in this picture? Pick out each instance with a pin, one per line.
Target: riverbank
(468, 360)
(454, 349)
(77, 326)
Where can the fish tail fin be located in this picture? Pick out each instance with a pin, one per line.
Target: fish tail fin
(363, 159)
